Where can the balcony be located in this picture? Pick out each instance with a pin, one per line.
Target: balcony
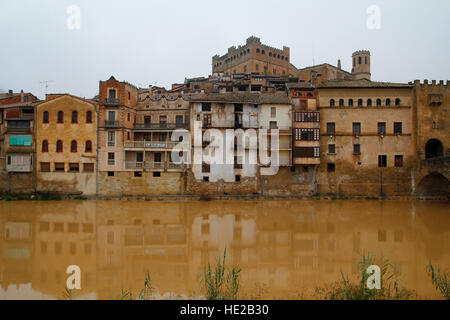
(154, 165)
(150, 145)
(160, 126)
(111, 124)
(112, 102)
(219, 124)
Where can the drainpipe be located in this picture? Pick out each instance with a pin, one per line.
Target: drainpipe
(96, 154)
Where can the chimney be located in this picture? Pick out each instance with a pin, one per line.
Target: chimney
(339, 64)
(10, 92)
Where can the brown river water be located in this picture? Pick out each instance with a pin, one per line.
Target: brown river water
(284, 248)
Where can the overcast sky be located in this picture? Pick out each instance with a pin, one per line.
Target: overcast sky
(162, 42)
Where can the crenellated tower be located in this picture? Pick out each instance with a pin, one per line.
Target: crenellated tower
(361, 65)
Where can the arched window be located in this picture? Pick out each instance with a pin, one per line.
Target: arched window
(89, 117)
(350, 102)
(341, 102)
(388, 102)
(369, 102)
(365, 60)
(45, 119)
(45, 146)
(332, 103)
(360, 102)
(73, 146)
(74, 117)
(397, 102)
(59, 146)
(60, 117)
(88, 146)
(270, 54)
(378, 102)
(359, 60)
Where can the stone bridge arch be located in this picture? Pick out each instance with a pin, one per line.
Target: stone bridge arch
(433, 184)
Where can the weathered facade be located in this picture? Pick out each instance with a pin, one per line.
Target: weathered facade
(66, 140)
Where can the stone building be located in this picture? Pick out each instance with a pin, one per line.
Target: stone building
(253, 57)
(66, 140)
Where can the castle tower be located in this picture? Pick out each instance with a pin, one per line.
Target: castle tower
(361, 65)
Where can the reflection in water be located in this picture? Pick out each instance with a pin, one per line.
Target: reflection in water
(283, 247)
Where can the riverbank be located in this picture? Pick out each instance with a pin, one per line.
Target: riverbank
(184, 197)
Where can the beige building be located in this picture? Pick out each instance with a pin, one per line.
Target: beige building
(66, 139)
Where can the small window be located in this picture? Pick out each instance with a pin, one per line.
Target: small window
(88, 147)
(330, 128)
(332, 103)
(59, 146)
(332, 148)
(382, 161)
(360, 102)
(205, 179)
(111, 158)
(369, 102)
(138, 174)
(398, 236)
(397, 128)
(88, 167)
(378, 102)
(45, 146)
(331, 167)
(398, 161)
(238, 178)
(382, 235)
(156, 174)
(388, 102)
(45, 166)
(350, 102)
(397, 102)
(206, 107)
(89, 117)
(341, 102)
(73, 146)
(60, 117)
(45, 118)
(273, 112)
(356, 148)
(59, 166)
(110, 173)
(356, 128)
(74, 167)
(74, 117)
(381, 128)
(128, 116)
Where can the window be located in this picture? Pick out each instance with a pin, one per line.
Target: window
(369, 102)
(179, 120)
(238, 178)
(360, 102)
(60, 117)
(111, 158)
(156, 174)
(388, 102)
(332, 103)
(128, 117)
(356, 148)
(398, 235)
(307, 152)
(273, 112)
(341, 102)
(110, 173)
(330, 128)
(88, 167)
(382, 235)
(397, 128)
(306, 134)
(59, 146)
(365, 60)
(74, 167)
(111, 138)
(382, 161)
(257, 67)
(273, 125)
(138, 174)
(397, 102)
(350, 102)
(378, 102)
(359, 60)
(206, 107)
(73, 146)
(206, 168)
(45, 166)
(398, 162)
(59, 167)
(129, 95)
(331, 167)
(88, 147)
(45, 146)
(74, 117)
(381, 127)
(45, 119)
(331, 148)
(89, 117)
(356, 128)
(111, 115)
(206, 120)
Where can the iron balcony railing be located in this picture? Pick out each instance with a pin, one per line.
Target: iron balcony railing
(111, 123)
(160, 126)
(150, 144)
(112, 101)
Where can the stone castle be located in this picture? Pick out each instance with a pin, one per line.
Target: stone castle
(339, 133)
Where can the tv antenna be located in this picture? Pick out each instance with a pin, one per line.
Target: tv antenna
(46, 82)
